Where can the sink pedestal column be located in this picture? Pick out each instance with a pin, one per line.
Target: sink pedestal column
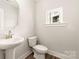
(4, 55)
(10, 53)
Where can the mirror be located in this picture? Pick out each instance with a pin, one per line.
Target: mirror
(9, 11)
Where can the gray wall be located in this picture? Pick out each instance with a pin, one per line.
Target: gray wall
(58, 38)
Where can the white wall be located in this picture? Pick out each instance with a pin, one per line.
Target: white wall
(25, 26)
(58, 38)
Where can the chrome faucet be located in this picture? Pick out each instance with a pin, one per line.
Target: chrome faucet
(9, 35)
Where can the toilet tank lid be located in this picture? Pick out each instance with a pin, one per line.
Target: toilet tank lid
(32, 37)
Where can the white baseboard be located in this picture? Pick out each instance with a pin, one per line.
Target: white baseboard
(57, 54)
(25, 55)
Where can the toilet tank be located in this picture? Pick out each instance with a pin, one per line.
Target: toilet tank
(32, 41)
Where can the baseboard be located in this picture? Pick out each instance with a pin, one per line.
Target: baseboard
(54, 53)
(25, 55)
(57, 54)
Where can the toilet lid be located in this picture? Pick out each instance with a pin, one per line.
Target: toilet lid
(40, 47)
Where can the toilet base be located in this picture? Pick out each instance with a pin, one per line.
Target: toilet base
(39, 55)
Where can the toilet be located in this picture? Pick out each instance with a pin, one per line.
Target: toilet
(39, 50)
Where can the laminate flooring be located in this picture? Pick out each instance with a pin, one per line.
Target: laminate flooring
(47, 56)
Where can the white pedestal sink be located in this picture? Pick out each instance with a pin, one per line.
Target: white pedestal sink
(8, 45)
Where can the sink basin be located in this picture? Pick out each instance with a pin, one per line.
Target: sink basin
(11, 42)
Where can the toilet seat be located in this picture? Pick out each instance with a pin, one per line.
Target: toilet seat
(40, 48)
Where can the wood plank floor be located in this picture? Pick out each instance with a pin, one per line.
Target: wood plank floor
(47, 56)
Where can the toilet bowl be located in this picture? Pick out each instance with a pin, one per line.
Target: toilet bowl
(39, 50)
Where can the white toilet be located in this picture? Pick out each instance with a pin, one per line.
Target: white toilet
(39, 50)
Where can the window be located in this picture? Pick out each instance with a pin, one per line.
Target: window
(55, 16)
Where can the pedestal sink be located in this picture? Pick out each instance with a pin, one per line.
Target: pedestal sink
(10, 44)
